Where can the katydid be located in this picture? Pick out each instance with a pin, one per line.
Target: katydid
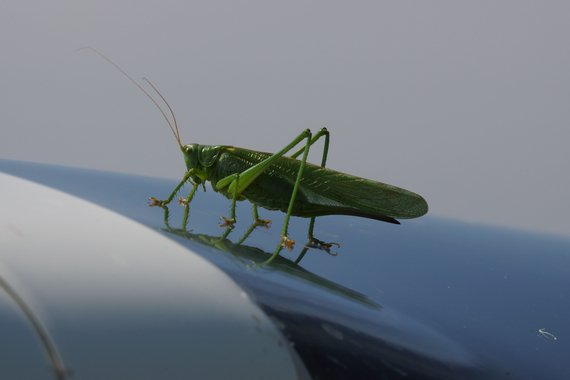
(294, 186)
(282, 181)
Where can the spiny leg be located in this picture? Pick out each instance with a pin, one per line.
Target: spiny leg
(229, 222)
(314, 242)
(166, 216)
(318, 135)
(152, 201)
(247, 177)
(247, 233)
(305, 151)
(226, 233)
(285, 240)
(322, 132)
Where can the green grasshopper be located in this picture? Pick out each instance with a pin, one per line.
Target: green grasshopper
(286, 183)
(296, 187)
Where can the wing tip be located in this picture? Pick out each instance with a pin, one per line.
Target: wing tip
(387, 219)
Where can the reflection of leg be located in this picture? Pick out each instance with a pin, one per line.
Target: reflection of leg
(226, 233)
(285, 241)
(302, 254)
(186, 203)
(247, 233)
(219, 241)
(316, 243)
(322, 132)
(256, 223)
(166, 216)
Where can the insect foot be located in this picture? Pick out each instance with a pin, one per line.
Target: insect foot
(263, 222)
(287, 243)
(319, 244)
(227, 222)
(152, 202)
(182, 201)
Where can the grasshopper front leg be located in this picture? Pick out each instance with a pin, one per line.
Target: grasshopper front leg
(152, 201)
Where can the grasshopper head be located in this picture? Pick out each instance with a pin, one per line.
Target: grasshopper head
(190, 153)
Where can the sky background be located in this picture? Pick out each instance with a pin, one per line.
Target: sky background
(466, 103)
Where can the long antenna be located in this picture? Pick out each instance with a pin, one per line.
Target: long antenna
(174, 131)
(165, 102)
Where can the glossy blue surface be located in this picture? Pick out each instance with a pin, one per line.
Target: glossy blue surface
(432, 298)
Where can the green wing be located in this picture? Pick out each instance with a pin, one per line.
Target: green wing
(362, 194)
(322, 191)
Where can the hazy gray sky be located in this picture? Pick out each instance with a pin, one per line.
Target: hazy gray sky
(466, 103)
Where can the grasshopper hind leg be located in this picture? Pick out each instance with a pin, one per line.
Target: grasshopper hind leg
(285, 241)
(313, 242)
(237, 183)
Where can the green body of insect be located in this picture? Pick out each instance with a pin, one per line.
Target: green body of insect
(321, 191)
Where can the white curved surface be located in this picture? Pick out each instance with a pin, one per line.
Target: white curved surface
(120, 301)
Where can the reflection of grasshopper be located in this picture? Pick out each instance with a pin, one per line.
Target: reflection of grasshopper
(312, 242)
(248, 254)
